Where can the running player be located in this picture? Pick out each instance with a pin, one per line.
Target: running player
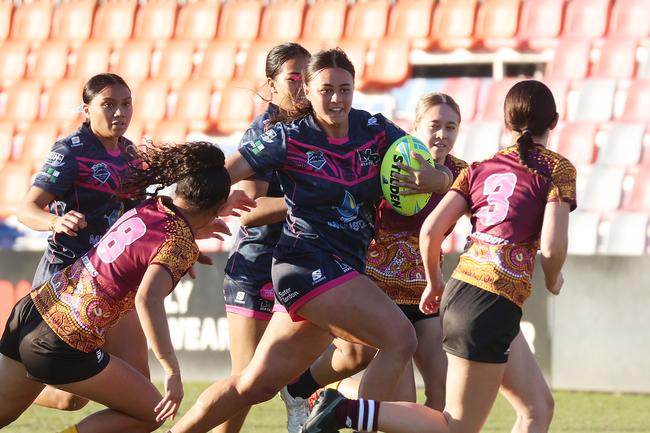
(519, 201)
(328, 162)
(248, 290)
(55, 335)
(78, 184)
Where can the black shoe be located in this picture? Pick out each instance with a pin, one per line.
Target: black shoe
(322, 418)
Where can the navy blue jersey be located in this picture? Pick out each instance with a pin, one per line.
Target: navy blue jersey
(251, 255)
(84, 177)
(331, 185)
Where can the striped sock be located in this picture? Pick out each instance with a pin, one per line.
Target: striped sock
(359, 414)
(72, 429)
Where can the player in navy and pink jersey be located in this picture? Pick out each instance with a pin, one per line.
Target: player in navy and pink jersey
(78, 184)
(519, 201)
(248, 289)
(55, 335)
(327, 160)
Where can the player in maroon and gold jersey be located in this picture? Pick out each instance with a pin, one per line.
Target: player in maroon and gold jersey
(519, 201)
(55, 334)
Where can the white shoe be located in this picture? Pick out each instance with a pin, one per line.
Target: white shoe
(297, 410)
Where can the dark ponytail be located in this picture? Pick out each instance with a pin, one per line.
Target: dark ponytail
(529, 109)
(198, 169)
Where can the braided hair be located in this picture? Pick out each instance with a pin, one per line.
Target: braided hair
(198, 169)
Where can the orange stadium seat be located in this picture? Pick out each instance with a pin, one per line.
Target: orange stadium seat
(135, 132)
(240, 21)
(560, 89)
(176, 62)
(7, 139)
(627, 234)
(495, 95)
(638, 199)
(357, 52)
(150, 102)
(13, 61)
(282, 11)
(411, 20)
(170, 131)
(465, 92)
(586, 18)
(637, 104)
(218, 62)
(114, 21)
(540, 24)
(236, 107)
(496, 24)
(254, 65)
(630, 18)
(391, 66)
(367, 21)
(197, 21)
(155, 20)
(72, 21)
(603, 189)
(453, 24)
(92, 58)
(193, 104)
(623, 146)
(617, 58)
(31, 22)
(6, 9)
(570, 59)
(134, 61)
(14, 183)
(577, 142)
(37, 143)
(63, 103)
(51, 62)
(324, 23)
(595, 100)
(23, 103)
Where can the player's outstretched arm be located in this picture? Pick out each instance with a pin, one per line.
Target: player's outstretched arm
(149, 302)
(554, 243)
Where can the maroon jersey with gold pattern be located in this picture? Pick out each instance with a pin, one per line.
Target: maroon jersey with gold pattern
(507, 202)
(80, 302)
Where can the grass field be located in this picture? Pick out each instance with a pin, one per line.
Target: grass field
(575, 412)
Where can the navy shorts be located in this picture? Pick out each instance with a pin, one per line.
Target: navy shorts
(47, 359)
(476, 324)
(249, 299)
(46, 269)
(299, 276)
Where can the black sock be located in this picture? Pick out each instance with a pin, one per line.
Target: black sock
(304, 386)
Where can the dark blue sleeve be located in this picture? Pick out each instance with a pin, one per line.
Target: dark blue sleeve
(250, 135)
(266, 152)
(393, 132)
(59, 171)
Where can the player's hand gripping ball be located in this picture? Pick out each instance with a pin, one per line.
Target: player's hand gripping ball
(400, 152)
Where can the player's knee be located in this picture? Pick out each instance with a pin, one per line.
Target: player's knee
(70, 402)
(540, 413)
(401, 340)
(256, 390)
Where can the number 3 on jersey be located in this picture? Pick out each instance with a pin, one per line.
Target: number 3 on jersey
(127, 232)
(498, 188)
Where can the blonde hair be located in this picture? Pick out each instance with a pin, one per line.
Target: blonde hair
(431, 100)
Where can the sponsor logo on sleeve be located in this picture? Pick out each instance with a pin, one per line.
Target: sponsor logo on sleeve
(55, 159)
(76, 141)
(268, 136)
(256, 147)
(50, 175)
(372, 121)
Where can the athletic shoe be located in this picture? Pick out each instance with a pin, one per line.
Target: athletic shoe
(314, 397)
(322, 418)
(297, 410)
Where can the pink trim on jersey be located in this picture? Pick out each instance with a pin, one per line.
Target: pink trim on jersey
(319, 291)
(339, 140)
(241, 311)
(114, 152)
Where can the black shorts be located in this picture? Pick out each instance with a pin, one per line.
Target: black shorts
(249, 299)
(413, 313)
(47, 359)
(299, 276)
(476, 324)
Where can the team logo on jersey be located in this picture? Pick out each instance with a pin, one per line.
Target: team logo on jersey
(368, 157)
(100, 172)
(268, 136)
(317, 276)
(55, 159)
(76, 141)
(372, 121)
(348, 210)
(316, 159)
(256, 147)
(240, 297)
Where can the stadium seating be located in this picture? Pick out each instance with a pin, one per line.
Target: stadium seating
(638, 198)
(492, 105)
(390, 66)
(496, 24)
(465, 92)
(254, 66)
(37, 142)
(193, 104)
(240, 21)
(134, 61)
(13, 62)
(236, 107)
(630, 18)
(540, 24)
(367, 21)
(51, 62)
(170, 131)
(571, 59)
(453, 24)
(92, 58)
(324, 24)
(6, 9)
(411, 20)
(150, 102)
(72, 22)
(14, 183)
(637, 104)
(197, 22)
(31, 22)
(219, 62)
(583, 233)
(603, 189)
(23, 103)
(617, 58)
(595, 100)
(176, 63)
(276, 13)
(478, 140)
(627, 234)
(63, 103)
(114, 21)
(155, 20)
(357, 51)
(623, 146)
(586, 18)
(7, 139)
(577, 142)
